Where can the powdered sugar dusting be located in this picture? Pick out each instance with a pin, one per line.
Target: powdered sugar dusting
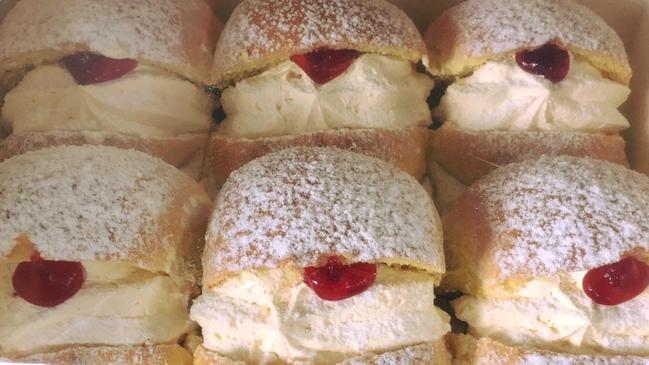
(258, 28)
(298, 204)
(152, 30)
(83, 203)
(418, 354)
(486, 27)
(565, 214)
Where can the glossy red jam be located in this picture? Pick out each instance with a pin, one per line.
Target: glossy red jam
(337, 281)
(89, 68)
(618, 282)
(549, 61)
(324, 64)
(47, 283)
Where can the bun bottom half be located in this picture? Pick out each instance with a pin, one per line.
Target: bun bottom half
(185, 152)
(119, 355)
(435, 353)
(469, 155)
(468, 350)
(405, 148)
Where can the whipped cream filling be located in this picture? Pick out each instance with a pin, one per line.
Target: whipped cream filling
(268, 315)
(501, 96)
(117, 305)
(374, 92)
(554, 313)
(146, 102)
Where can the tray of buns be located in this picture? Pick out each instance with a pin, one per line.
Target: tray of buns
(356, 182)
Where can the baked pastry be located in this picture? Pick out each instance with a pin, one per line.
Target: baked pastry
(312, 73)
(320, 255)
(121, 73)
(532, 77)
(553, 254)
(470, 351)
(99, 255)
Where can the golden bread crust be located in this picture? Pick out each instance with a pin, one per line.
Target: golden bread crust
(183, 152)
(405, 148)
(266, 214)
(176, 35)
(425, 354)
(468, 155)
(468, 34)
(105, 355)
(544, 217)
(471, 351)
(96, 203)
(262, 33)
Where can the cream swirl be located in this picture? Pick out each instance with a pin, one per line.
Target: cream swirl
(374, 92)
(145, 102)
(501, 96)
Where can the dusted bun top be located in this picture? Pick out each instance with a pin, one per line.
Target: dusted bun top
(262, 33)
(296, 205)
(177, 35)
(95, 203)
(475, 31)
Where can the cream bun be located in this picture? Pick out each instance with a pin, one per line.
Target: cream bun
(320, 255)
(99, 256)
(338, 73)
(121, 73)
(529, 77)
(554, 254)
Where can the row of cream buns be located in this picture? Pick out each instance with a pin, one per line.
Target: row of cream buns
(351, 74)
(312, 255)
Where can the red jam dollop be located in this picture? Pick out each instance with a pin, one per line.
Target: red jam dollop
(618, 282)
(337, 280)
(47, 283)
(549, 61)
(324, 64)
(89, 68)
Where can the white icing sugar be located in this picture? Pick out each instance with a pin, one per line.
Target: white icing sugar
(565, 214)
(299, 204)
(258, 28)
(498, 26)
(83, 203)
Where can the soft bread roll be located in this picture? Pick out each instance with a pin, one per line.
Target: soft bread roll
(150, 355)
(470, 351)
(468, 155)
(425, 354)
(520, 241)
(402, 147)
(176, 35)
(475, 31)
(135, 223)
(292, 209)
(475, 42)
(254, 52)
(172, 42)
(262, 33)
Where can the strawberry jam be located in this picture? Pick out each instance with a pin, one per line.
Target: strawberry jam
(618, 282)
(89, 68)
(47, 283)
(324, 64)
(337, 281)
(549, 61)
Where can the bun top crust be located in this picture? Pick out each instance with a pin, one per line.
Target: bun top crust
(545, 217)
(95, 203)
(475, 31)
(176, 35)
(294, 206)
(262, 33)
